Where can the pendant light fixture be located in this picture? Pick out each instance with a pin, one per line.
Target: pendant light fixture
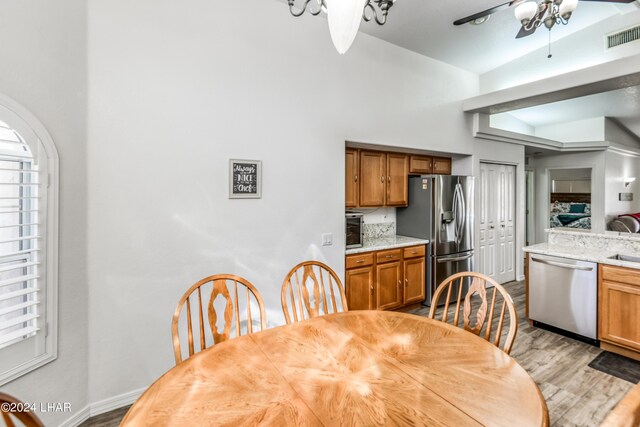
(548, 12)
(344, 16)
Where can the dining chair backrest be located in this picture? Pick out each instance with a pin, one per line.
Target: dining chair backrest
(26, 418)
(477, 285)
(219, 294)
(627, 412)
(311, 289)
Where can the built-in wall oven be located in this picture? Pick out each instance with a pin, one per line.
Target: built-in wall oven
(354, 230)
(563, 293)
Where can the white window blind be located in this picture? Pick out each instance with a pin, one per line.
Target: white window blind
(20, 294)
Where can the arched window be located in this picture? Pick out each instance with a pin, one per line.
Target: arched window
(28, 242)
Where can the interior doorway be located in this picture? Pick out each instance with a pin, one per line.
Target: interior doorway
(496, 246)
(570, 198)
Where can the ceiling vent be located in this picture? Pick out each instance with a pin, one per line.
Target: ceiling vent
(623, 37)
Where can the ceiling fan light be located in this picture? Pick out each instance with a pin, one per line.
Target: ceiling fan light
(526, 11)
(567, 6)
(344, 18)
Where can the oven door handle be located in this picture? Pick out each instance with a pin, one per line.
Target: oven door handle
(562, 265)
(462, 258)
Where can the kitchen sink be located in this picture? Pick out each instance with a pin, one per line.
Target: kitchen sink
(625, 258)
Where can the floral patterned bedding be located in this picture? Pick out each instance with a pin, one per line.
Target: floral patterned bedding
(562, 217)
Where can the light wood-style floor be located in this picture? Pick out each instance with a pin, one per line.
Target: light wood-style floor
(576, 395)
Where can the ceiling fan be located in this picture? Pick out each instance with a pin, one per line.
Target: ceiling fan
(532, 14)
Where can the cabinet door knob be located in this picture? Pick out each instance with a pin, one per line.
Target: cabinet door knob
(406, 282)
(371, 288)
(382, 179)
(389, 178)
(360, 261)
(389, 256)
(356, 178)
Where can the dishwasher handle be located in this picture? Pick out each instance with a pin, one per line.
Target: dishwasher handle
(561, 264)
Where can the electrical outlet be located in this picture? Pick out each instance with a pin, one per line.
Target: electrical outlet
(327, 239)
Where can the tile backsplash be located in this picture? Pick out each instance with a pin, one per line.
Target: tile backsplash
(380, 229)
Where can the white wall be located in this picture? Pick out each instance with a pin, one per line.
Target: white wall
(43, 53)
(619, 166)
(576, 51)
(176, 91)
(510, 154)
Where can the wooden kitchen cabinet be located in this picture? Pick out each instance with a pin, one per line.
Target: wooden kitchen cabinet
(397, 180)
(619, 310)
(359, 288)
(420, 165)
(385, 279)
(442, 165)
(351, 178)
(414, 279)
(373, 172)
(388, 285)
(383, 179)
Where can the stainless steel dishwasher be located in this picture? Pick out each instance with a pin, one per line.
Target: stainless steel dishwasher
(563, 293)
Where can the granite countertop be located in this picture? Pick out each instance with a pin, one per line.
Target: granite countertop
(593, 254)
(386, 242)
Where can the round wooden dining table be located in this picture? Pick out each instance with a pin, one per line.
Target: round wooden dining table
(360, 368)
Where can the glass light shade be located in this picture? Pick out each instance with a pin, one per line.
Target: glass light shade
(526, 11)
(568, 6)
(344, 18)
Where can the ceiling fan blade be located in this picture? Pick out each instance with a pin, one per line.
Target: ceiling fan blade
(487, 12)
(523, 31)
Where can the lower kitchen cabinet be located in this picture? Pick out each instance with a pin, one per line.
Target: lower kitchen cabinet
(619, 310)
(385, 280)
(388, 285)
(414, 280)
(359, 288)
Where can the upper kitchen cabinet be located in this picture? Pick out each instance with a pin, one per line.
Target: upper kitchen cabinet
(397, 184)
(442, 165)
(383, 179)
(351, 178)
(420, 165)
(373, 178)
(379, 178)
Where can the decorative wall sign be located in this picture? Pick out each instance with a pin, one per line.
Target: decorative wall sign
(245, 179)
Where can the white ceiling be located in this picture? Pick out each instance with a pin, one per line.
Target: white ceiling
(624, 104)
(426, 27)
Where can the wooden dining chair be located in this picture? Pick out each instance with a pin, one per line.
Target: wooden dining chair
(28, 419)
(478, 285)
(627, 412)
(229, 300)
(312, 289)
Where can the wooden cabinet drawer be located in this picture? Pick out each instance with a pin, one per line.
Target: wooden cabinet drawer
(414, 251)
(621, 275)
(389, 255)
(359, 260)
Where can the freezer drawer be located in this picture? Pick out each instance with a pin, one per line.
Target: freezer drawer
(563, 293)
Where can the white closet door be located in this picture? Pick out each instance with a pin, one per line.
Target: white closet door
(497, 222)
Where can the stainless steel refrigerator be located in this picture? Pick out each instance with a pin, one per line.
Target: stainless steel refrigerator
(441, 210)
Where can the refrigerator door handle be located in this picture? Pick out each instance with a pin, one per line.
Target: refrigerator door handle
(462, 258)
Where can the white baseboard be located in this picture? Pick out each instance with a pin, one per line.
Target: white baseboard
(520, 278)
(102, 407)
